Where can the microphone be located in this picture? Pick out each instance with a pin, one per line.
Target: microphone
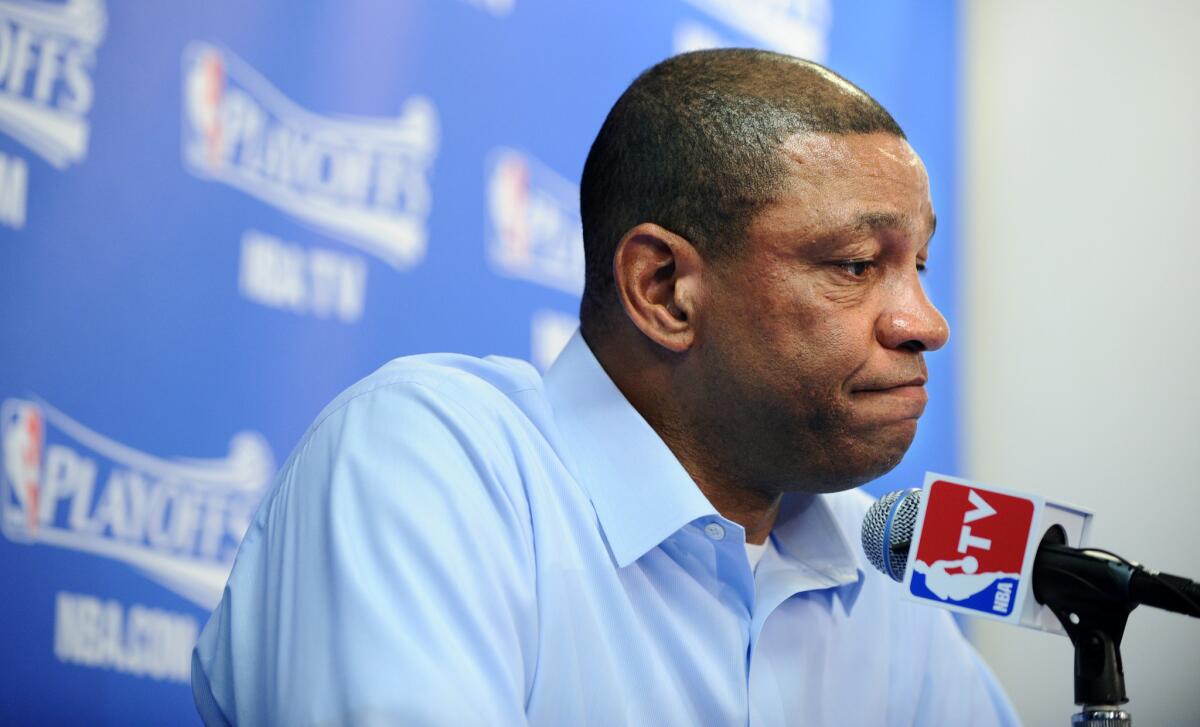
(1061, 574)
(976, 549)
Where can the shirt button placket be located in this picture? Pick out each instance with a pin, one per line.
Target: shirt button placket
(714, 531)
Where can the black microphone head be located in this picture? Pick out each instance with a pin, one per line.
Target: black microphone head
(887, 531)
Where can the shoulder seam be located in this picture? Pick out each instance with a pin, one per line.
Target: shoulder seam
(376, 386)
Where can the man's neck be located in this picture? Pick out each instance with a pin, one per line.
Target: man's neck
(643, 381)
(755, 510)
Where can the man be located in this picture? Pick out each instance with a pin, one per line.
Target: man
(641, 537)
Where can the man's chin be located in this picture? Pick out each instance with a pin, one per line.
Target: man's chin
(853, 457)
(872, 458)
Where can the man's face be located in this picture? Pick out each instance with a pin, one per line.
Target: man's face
(811, 338)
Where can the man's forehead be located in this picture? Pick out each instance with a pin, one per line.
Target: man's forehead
(812, 151)
(844, 183)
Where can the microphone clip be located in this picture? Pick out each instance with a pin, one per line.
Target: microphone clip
(1095, 622)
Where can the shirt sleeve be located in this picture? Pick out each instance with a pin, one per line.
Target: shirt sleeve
(958, 687)
(387, 579)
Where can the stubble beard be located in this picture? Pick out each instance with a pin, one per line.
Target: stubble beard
(804, 441)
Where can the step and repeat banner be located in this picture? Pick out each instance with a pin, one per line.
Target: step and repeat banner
(215, 216)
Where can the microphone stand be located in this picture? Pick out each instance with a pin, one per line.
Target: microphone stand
(1095, 620)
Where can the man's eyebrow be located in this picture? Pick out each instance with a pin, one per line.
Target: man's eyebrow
(875, 221)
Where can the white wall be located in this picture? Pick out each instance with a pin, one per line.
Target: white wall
(1081, 333)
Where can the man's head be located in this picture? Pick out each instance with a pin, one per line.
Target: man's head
(693, 145)
(754, 225)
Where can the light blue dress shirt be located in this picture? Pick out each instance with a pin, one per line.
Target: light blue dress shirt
(459, 541)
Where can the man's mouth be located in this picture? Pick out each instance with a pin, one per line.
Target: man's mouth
(903, 399)
(908, 385)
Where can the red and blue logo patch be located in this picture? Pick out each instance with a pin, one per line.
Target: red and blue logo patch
(972, 548)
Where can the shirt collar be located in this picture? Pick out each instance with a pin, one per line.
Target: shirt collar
(808, 534)
(640, 491)
(642, 494)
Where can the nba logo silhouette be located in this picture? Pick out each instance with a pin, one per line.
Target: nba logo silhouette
(971, 548)
(22, 439)
(205, 88)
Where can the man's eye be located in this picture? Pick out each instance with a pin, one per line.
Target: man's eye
(857, 268)
(921, 267)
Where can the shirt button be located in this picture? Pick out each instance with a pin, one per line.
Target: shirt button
(714, 531)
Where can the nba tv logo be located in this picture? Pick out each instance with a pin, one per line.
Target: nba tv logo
(972, 548)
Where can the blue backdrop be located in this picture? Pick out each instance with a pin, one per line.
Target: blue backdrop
(214, 216)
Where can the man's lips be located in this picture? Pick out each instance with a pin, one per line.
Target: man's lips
(906, 399)
(908, 387)
(915, 392)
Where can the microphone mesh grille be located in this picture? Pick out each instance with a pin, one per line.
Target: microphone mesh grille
(875, 524)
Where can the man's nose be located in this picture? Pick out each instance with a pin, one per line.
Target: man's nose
(911, 321)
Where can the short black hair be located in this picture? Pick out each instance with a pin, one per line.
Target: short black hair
(693, 145)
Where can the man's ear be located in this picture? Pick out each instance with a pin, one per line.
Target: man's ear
(658, 278)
